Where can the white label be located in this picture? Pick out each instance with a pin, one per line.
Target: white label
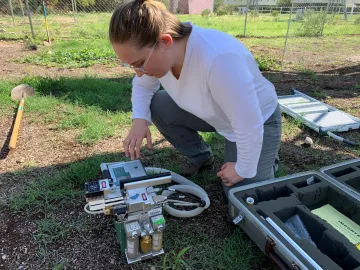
(155, 239)
(237, 219)
(130, 248)
(154, 212)
(133, 226)
(130, 245)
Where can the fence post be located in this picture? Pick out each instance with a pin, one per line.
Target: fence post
(12, 12)
(76, 6)
(324, 19)
(22, 8)
(287, 36)
(46, 22)
(246, 15)
(73, 9)
(29, 15)
(345, 10)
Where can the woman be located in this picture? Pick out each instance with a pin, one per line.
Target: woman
(212, 84)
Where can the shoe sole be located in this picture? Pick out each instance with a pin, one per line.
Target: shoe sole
(203, 167)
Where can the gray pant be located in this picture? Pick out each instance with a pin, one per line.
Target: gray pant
(181, 128)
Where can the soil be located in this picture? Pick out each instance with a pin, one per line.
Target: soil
(41, 150)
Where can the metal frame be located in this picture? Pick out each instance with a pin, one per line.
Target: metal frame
(315, 126)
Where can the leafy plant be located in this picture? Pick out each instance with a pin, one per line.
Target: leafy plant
(50, 231)
(275, 13)
(313, 23)
(175, 261)
(266, 63)
(205, 13)
(221, 10)
(217, 4)
(312, 75)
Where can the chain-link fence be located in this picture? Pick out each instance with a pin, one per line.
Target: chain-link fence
(55, 18)
(283, 24)
(309, 24)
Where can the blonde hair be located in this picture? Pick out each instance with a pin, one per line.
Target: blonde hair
(143, 21)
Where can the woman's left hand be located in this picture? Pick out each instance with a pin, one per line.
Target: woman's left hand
(228, 174)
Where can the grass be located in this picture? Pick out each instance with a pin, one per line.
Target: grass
(69, 50)
(74, 54)
(236, 251)
(59, 187)
(95, 26)
(291, 126)
(87, 104)
(311, 74)
(50, 230)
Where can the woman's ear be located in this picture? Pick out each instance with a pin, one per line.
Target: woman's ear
(165, 41)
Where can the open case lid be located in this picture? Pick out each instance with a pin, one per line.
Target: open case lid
(345, 175)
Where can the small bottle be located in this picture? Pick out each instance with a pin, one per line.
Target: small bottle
(145, 243)
(132, 246)
(157, 240)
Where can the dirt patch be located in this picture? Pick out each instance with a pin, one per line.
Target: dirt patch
(41, 145)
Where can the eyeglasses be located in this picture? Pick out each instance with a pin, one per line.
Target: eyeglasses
(142, 68)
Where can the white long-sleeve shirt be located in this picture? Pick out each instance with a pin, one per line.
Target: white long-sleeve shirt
(220, 82)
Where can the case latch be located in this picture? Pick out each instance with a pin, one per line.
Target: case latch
(239, 218)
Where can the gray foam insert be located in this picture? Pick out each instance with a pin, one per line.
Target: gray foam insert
(281, 200)
(348, 174)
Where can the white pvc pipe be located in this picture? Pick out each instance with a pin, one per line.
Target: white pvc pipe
(92, 212)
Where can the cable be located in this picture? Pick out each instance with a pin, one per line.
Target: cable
(182, 203)
(92, 212)
(185, 194)
(185, 186)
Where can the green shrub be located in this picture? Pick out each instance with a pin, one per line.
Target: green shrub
(206, 12)
(217, 4)
(313, 23)
(230, 9)
(275, 13)
(221, 10)
(267, 63)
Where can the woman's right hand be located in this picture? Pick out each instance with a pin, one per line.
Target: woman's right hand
(139, 130)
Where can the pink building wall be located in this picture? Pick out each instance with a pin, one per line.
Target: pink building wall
(191, 6)
(198, 6)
